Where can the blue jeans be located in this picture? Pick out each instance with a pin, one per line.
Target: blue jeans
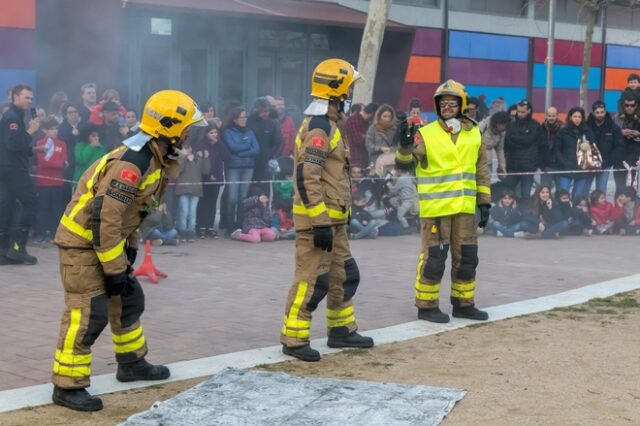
(167, 237)
(554, 228)
(362, 231)
(602, 179)
(581, 186)
(237, 193)
(526, 183)
(508, 231)
(187, 209)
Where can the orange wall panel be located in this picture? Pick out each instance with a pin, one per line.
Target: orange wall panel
(539, 116)
(18, 13)
(616, 78)
(423, 69)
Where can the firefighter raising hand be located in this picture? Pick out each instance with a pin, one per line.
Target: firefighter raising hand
(407, 134)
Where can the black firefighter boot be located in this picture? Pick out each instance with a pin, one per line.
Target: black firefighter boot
(141, 370)
(18, 250)
(303, 353)
(470, 312)
(76, 399)
(433, 315)
(4, 247)
(339, 337)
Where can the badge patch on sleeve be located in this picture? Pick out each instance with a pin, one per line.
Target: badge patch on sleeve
(123, 187)
(120, 197)
(129, 175)
(318, 142)
(13, 126)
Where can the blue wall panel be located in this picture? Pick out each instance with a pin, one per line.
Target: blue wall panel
(488, 46)
(623, 56)
(565, 76)
(611, 98)
(11, 77)
(511, 95)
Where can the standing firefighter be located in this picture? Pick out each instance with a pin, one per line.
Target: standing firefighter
(453, 178)
(98, 242)
(321, 206)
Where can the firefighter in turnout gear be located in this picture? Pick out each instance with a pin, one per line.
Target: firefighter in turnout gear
(453, 180)
(321, 209)
(97, 239)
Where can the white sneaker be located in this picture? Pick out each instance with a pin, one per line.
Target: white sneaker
(519, 234)
(499, 234)
(234, 234)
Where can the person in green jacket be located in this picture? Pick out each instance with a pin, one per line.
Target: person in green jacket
(88, 149)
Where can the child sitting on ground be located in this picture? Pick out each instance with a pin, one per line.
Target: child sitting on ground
(403, 196)
(362, 224)
(508, 218)
(627, 201)
(580, 222)
(158, 228)
(604, 213)
(256, 221)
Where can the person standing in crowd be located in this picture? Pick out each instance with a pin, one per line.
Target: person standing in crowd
(51, 163)
(380, 135)
(69, 132)
(324, 264)
(88, 149)
(55, 105)
(212, 181)
(243, 149)
(629, 122)
(453, 180)
(493, 140)
(131, 122)
(608, 139)
(548, 161)
(98, 244)
(88, 94)
(521, 147)
(414, 112)
(267, 133)
(574, 134)
(287, 127)
(15, 182)
(111, 132)
(631, 91)
(109, 95)
(473, 109)
(356, 128)
(193, 166)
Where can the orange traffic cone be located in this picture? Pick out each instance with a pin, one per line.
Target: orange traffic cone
(148, 269)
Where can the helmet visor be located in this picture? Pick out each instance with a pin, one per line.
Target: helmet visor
(198, 119)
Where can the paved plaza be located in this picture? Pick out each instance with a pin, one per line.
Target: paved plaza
(224, 296)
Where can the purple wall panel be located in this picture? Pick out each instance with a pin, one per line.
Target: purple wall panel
(422, 91)
(427, 42)
(489, 73)
(17, 48)
(563, 99)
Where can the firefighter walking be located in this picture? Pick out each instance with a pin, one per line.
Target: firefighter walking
(453, 179)
(321, 208)
(98, 242)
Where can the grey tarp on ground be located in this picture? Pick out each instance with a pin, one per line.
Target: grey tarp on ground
(240, 397)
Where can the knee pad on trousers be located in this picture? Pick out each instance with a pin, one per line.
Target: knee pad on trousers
(468, 262)
(319, 291)
(436, 258)
(132, 307)
(352, 278)
(98, 319)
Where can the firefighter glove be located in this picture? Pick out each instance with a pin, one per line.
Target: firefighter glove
(120, 284)
(132, 253)
(484, 215)
(323, 237)
(407, 134)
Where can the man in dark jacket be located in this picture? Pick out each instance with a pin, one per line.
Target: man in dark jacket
(629, 122)
(267, 133)
(548, 162)
(609, 142)
(15, 182)
(522, 147)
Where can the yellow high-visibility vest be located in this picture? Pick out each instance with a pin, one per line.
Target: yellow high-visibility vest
(447, 185)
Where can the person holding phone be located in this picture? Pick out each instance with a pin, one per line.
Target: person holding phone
(15, 182)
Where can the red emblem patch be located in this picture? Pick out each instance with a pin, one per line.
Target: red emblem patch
(318, 142)
(129, 175)
(13, 126)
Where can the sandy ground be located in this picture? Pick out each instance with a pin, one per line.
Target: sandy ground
(570, 366)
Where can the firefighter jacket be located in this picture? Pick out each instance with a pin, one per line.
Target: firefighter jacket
(321, 174)
(113, 196)
(452, 174)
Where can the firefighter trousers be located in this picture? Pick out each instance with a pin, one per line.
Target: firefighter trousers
(87, 312)
(457, 232)
(318, 274)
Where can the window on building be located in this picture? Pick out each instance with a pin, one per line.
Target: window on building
(623, 17)
(566, 11)
(155, 69)
(266, 73)
(193, 73)
(282, 39)
(501, 7)
(231, 76)
(319, 42)
(422, 3)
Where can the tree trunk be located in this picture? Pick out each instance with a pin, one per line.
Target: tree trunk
(370, 49)
(586, 56)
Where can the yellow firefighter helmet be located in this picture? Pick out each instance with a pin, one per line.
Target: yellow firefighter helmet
(332, 79)
(451, 88)
(168, 112)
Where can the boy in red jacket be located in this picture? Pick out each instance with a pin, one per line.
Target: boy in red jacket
(51, 162)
